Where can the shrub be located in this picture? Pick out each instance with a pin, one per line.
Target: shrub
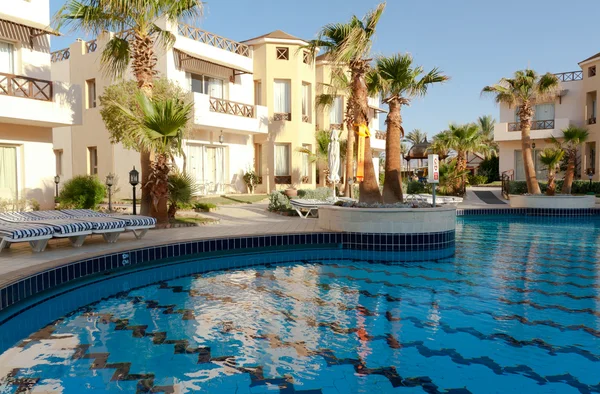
(415, 187)
(251, 180)
(278, 202)
(475, 180)
(182, 188)
(320, 193)
(204, 206)
(520, 187)
(490, 168)
(82, 192)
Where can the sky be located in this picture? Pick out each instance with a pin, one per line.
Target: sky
(475, 42)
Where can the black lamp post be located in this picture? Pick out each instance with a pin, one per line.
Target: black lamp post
(56, 182)
(134, 179)
(109, 182)
(590, 173)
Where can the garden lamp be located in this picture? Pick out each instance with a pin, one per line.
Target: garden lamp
(109, 182)
(56, 182)
(134, 180)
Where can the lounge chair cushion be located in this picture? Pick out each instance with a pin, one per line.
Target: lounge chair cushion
(24, 230)
(131, 220)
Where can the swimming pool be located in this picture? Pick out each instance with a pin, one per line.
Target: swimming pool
(515, 310)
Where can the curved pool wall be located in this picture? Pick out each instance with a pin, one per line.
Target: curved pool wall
(393, 247)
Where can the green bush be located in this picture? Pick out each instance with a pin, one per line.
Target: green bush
(320, 193)
(82, 192)
(416, 187)
(475, 180)
(278, 202)
(204, 206)
(520, 187)
(182, 188)
(490, 168)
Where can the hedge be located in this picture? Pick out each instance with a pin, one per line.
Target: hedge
(579, 187)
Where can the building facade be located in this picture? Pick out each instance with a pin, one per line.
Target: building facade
(575, 105)
(32, 102)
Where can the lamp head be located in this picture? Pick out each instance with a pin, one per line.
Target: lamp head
(134, 177)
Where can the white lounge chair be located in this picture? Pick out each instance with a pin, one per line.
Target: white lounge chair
(75, 231)
(428, 198)
(139, 225)
(36, 234)
(305, 207)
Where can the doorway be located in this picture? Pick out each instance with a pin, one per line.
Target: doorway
(206, 164)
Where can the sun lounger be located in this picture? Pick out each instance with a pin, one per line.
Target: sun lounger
(305, 205)
(428, 198)
(139, 225)
(75, 230)
(36, 234)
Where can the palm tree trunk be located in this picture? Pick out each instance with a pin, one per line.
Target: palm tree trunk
(568, 182)
(159, 186)
(533, 187)
(551, 184)
(369, 189)
(461, 165)
(392, 184)
(349, 150)
(146, 169)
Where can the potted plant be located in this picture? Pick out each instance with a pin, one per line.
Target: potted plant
(291, 191)
(251, 180)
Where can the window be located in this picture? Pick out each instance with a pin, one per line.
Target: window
(258, 159)
(283, 53)
(282, 160)
(7, 58)
(592, 71)
(282, 99)
(542, 112)
(8, 172)
(58, 155)
(214, 87)
(257, 93)
(306, 107)
(306, 57)
(92, 160)
(336, 115)
(540, 169)
(306, 164)
(90, 86)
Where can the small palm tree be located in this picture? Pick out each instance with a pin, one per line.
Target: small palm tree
(399, 81)
(160, 129)
(525, 90)
(486, 127)
(141, 17)
(551, 158)
(571, 140)
(348, 46)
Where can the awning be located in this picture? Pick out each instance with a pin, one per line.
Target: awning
(23, 30)
(195, 62)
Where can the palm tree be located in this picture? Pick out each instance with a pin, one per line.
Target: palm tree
(348, 46)
(141, 17)
(525, 90)
(486, 127)
(551, 158)
(399, 81)
(160, 129)
(463, 139)
(320, 156)
(572, 138)
(416, 137)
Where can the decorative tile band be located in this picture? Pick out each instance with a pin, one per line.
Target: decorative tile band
(572, 212)
(406, 247)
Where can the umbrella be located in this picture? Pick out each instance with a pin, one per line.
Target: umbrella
(334, 159)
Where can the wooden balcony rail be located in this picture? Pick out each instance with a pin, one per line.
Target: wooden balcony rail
(570, 76)
(380, 135)
(305, 119)
(336, 126)
(213, 40)
(279, 116)
(91, 46)
(231, 107)
(26, 87)
(60, 55)
(592, 120)
(535, 125)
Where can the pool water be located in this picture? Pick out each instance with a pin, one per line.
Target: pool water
(516, 310)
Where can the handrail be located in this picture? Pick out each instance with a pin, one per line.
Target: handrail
(214, 40)
(60, 55)
(91, 46)
(506, 177)
(535, 125)
(570, 76)
(26, 87)
(231, 107)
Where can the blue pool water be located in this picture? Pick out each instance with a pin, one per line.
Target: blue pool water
(516, 310)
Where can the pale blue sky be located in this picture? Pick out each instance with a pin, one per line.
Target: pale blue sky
(475, 42)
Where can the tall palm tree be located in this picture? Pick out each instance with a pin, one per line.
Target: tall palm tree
(141, 18)
(551, 158)
(348, 46)
(399, 81)
(524, 90)
(160, 129)
(486, 126)
(463, 139)
(416, 137)
(571, 140)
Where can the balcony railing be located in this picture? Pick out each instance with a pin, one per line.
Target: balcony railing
(535, 125)
(570, 76)
(60, 55)
(380, 135)
(305, 119)
(279, 116)
(91, 46)
(26, 87)
(336, 126)
(213, 40)
(231, 107)
(592, 120)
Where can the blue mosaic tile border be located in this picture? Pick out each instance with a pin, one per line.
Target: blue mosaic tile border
(50, 279)
(573, 212)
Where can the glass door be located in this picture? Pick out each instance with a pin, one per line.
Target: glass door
(8, 173)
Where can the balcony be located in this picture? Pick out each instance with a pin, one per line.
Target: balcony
(540, 129)
(38, 102)
(378, 143)
(570, 76)
(219, 114)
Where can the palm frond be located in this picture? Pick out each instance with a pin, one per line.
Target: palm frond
(115, 57)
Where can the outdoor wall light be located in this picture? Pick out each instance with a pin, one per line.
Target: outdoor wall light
(221, 138)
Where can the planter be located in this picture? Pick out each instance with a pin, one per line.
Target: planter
(388, 220)
(291, 192)
(552, 202)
